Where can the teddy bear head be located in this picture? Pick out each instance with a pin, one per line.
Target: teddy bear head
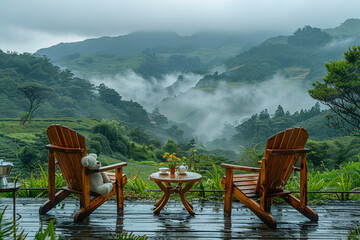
(90, 161)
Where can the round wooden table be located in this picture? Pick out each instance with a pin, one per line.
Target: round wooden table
(164, 182)
(12, 187)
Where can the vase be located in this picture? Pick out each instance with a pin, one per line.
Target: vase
(172, 170)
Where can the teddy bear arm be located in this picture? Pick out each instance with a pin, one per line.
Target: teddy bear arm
(105, 177)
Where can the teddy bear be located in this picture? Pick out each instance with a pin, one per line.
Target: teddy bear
(99, 181)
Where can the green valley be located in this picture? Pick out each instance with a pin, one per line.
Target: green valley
(214, 113)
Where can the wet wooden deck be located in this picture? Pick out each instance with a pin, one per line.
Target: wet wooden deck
(336, 219)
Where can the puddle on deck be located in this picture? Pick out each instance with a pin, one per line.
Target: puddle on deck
(336, 219)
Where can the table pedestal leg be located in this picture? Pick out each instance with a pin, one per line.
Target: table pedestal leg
(168, 190)
(185, 202)
(189, 204)
(160, 201)
(165, 198)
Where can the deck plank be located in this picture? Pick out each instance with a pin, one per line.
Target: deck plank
(336, 219)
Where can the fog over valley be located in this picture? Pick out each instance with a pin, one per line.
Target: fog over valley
(207, 112)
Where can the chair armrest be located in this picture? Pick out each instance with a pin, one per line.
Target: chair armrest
(279, 152)
(64, 149)
(114, 166)
(294, 168)
(259, 162)
(244, 168)
(106, 168)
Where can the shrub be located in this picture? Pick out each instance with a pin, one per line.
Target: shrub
(28, 156)
(114, 133)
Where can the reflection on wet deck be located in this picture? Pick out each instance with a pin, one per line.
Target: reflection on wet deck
(336, 219)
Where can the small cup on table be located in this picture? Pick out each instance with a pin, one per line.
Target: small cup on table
(163, 170)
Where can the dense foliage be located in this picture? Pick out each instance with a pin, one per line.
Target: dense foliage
(149, 54)
(340, 90)
(307, 49)
(260, 126)
(26, 81)
(308, 36)
(328, 148)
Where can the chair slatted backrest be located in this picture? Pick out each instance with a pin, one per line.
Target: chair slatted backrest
(279, 168)
(69, 163)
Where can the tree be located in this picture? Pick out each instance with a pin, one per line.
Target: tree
(28, 156)
(159, 118)
(309, 36)
(136, 112)
(172, 147)
(340, 91)
(175, 132)
(264, 115)
(279, 112)
(115, 135)
(138, 135)
(37, 94)
(109, 95)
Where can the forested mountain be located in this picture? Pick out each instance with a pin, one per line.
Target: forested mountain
(300, 56)
(135, 43)
(260, 126)
(149, 54)
(329, 148)
(70, 96)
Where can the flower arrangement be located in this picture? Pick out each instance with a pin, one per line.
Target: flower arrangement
(172, 160)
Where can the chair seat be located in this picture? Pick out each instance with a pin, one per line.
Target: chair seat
(112, 177)
(246, 183)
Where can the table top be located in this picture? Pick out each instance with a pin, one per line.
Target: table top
(10, 187)
(188, 177)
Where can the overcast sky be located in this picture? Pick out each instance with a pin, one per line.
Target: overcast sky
(28, 25)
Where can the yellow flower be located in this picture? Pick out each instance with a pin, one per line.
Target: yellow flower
(162, 163)
(184, 158)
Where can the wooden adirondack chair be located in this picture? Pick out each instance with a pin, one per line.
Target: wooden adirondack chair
(68, 148)
(281, 153)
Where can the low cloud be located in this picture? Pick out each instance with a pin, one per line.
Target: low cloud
(340, 43)
(208, 112)
(61, 20)
(148, 92)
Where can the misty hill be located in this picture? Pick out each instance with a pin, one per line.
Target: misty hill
(71, 96)
(347, 29)
(149, 54)
(300, 56)
(329, 148)
(135, 43)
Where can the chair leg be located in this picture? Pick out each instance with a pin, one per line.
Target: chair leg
(265, 202)
(49, 204)
(307, 211)
(120, 192)
(94, 204)
(255, 208)
(227, 184)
